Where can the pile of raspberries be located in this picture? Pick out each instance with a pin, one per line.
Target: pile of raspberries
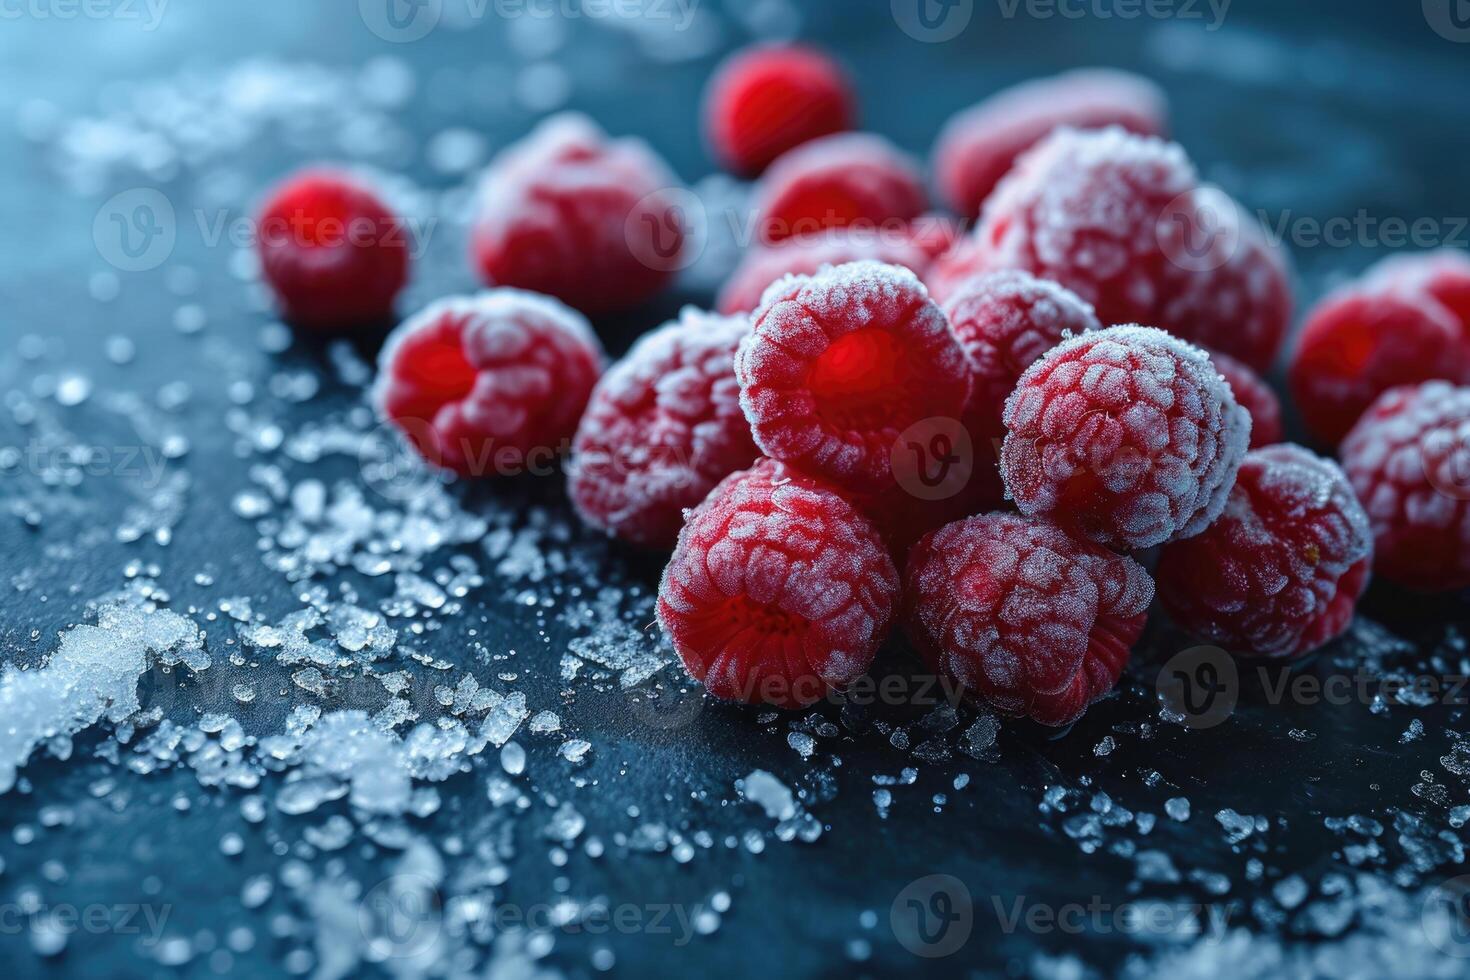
(986, 437)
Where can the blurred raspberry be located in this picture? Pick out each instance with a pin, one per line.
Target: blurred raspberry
(1281, 571)
(491, 384)
(764, 101)
(1256, 397)
(807, 256)
(663, 427)
(979, 145)
(332, 251)
(778, 590)
(1127, 436)
(1443, 274)
(1408, 459)
(852, 180)
(1023, 616)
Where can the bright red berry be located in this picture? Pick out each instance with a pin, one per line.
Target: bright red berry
(852, 180)
(1358, 343)
(663, 427)
(1127, 436)
(764, 101)
(572, 214)
(491, 384)
(807, 256)
(1443, 274)
(1408, 459)
(1023, 616)
(841, 364)
(332, 251)
(1122, 221)
(1256, 397)
(1281, 571)
(979, 145)
(778, 590)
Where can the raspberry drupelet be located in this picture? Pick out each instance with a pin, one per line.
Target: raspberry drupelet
(1408, 459)
(852, 180)
(1358, 343)
(805, 256)
(1281, 571)
(333, 252)
(1122, 221)
(778, 590)
(1023, 616)
(663, 427)
(1256, 397)
(766, 100)
(839, 365)
(572, 214)
(1127, 436)
(979, 145)
(1443, 274)
(491, 384)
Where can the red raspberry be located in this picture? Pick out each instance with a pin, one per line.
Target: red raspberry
(764, 101)
(486, 385)
(1121, 221)
(569, 213)
(1023, 616)
(663, 427)
(1358, 343)
(1256, 397)
(1444, 274)
(1408, 458)
(957, 265)
(1280, 572)
(761, 267)
(849, 180)
(979, 145)
(839, 365)
(332, 251)
(1127, 436)
(778, 589)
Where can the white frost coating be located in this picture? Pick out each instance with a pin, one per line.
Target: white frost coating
(92, 676)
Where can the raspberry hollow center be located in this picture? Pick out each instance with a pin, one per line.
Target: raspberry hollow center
(863, 382)
(438, 370)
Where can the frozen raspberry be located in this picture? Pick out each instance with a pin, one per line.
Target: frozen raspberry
(491, 384)
(570, 213)
(761, 267)
(839, 365)
(957, 265)
(778, 590)
(849, 180)
(1256, 397)
(663, 427)
(1127, 436)
(332, 251)
(979, 145)
(764, 101)
(1023, 616)
(1358, 343)
(1408, 459)
(1121, 221)
(1444, 274)
(1281, 570)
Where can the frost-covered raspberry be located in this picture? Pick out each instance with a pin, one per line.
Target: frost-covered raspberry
(491, 384)
(1127, 436)
(1122, 221)
(840, 364)
(572, 214)
(663, 427)
(332, 251)
(764, 101)
(848, 180)
(1408, 459)
(1358, 343)
(1443, 274)
(1281, 571)
(807, 256)
(979, 145)
(778, 590)
(1022, 615)
(1256, 397)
